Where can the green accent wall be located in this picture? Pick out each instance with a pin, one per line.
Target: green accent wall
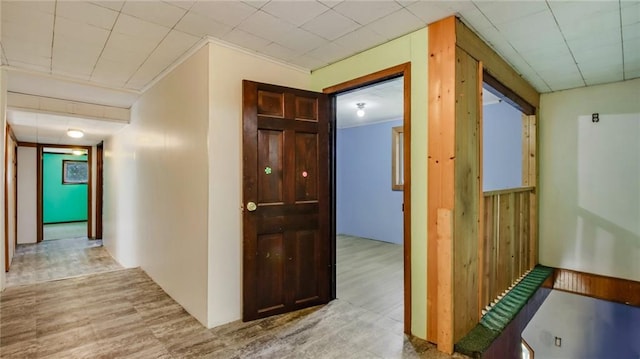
(61, 202)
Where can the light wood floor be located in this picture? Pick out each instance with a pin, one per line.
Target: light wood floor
(124, 314)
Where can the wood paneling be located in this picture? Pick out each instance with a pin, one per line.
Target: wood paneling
(467, 195)
(507, 240)
(597, 286)
(444, 245)
(494, 64)
(441, 157)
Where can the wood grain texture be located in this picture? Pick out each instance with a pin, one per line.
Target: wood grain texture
(467, 194)
(507, 240)
(441, 155)
(597, 286)
(494, 64)
(446, 319)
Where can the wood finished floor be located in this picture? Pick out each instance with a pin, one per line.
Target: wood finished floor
(124, 314)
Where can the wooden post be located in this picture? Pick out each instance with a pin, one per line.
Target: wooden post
(445, 278)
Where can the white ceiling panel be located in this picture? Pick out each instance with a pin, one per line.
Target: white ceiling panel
(140, 28)
(331, 25)
(228, 13)
(301, 40)
(397, 24)
(278, 51)
(87, 13)
(246, 40)
(382, 102)
(159, 13)
(20, 49)
(81, 34)
(266, 26)
(125, 48)
(309, 62)
(501, 12)
(110, 4)
(256, 3)
(430, 12)
(361, 39)
(200, 25)
(183, 4)
(364, 12)
(330, 52)
(296, 13)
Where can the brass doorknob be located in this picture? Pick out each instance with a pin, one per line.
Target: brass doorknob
(251, 206)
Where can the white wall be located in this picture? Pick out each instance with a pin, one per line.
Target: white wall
(227, 68)
(589, 180)
(27, 194)
(156, 185)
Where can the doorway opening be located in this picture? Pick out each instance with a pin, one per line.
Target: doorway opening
(369, 218)
(398, 137)
(64, 192)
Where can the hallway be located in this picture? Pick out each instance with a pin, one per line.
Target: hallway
(123, 313)
(58, 259)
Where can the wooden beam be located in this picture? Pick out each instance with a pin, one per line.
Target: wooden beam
(494, 64)
(445, 279)
(441, 157)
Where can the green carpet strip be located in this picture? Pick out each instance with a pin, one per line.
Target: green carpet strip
(498, 317)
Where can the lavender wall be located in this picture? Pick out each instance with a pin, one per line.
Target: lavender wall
(502, 147)
(366, 205)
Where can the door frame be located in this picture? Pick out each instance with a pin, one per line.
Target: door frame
(403, 70)
(40, 214)
(9, 134)
(99, 188)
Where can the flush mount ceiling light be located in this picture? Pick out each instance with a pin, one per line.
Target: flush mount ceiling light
(360, 111)
(79, 152)
(75, 133)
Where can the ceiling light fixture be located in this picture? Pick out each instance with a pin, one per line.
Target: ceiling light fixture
(78, 152)
(75, 133)
(360, 111)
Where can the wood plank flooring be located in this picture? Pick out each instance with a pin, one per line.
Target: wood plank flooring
(124, 314)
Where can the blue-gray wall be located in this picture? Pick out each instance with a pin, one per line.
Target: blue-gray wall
(502, 147)
(366, 205)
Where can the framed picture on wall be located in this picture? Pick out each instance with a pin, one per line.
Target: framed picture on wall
(75, 172)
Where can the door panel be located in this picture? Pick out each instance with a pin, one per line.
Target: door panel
(286, 238)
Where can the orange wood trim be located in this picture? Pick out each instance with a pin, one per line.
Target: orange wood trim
(494, 65)
(597, 286)
(11, 133)
(481, 243)
(441, 155)
(27, 144)
(90, 195)
(389, 73)
(99, 188)
(445, 280)
(508, 191)
(369, 79)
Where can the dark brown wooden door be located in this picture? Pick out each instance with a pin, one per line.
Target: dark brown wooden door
(286, 249)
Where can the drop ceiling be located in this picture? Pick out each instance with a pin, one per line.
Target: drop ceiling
(107, 52)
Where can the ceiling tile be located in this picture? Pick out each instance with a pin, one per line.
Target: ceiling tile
(246, 40)
(156, 12)
(308, 62)
(331, 3)
(603, 75)
(360, 40)
(39, 64)
(140, 28)
(266, 26)
(364, 12)
(588, 54)
(572, 29)
(113, 73)
(596, 38)
(40, 27)
(330, 25)
(295, 12)
(630, 14)
(631, 32)
(226, 12)
(301, 40)
(110, 4)
(632, 74)
(330, 53)
(279, 52)
(22, 48)
(29, 6)
(121, 48)
(475, 19)
(397, 24)
(430, 11)
(256, 4)
(184, 4)
(175, 45)
(499, 12)
(200, 25)
(81, 34)
(87, 13)
(537, 27)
